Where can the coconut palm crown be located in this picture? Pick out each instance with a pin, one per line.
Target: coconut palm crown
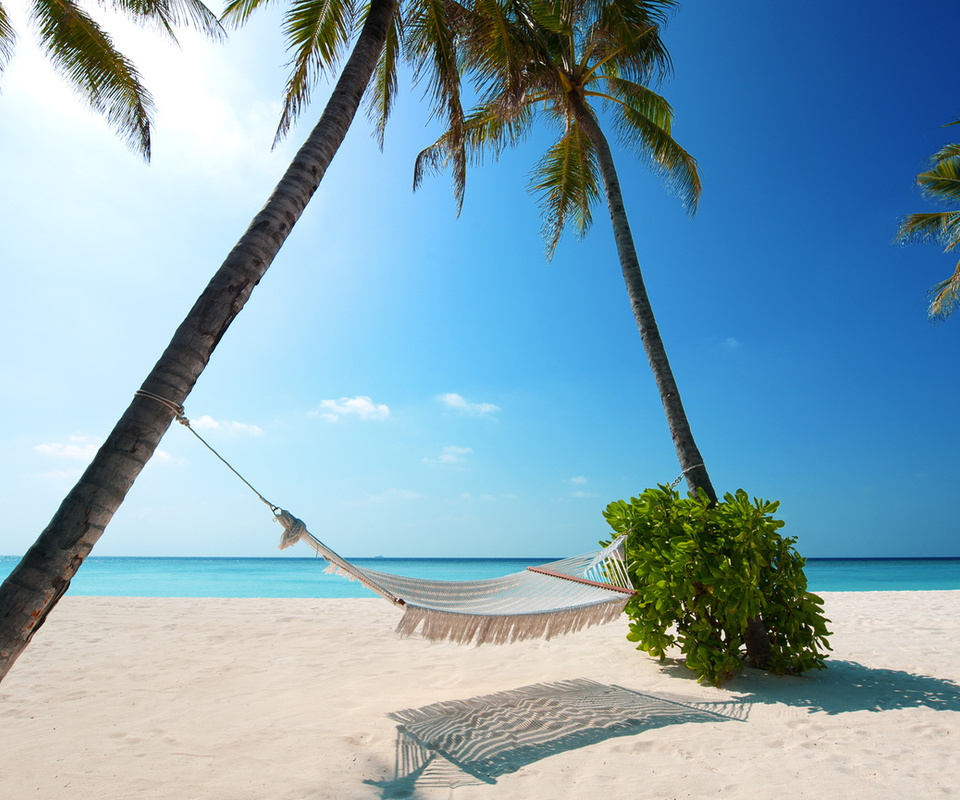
(83, 54)
(557, 61)
(551, 61)
(941, 183)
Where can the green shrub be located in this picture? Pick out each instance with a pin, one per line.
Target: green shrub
(703, 572)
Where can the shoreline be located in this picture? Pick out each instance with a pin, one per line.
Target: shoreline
(237, 699)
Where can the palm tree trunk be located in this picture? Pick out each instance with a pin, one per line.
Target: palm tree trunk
(755, 637)
(43, 575)
(691, 462)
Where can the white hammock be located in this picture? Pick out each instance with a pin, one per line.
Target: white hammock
(540, 602)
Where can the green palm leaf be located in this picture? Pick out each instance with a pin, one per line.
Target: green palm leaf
(649, 136)
(627, 40)
(942, 183)
(318, 32)
(383, 89)
(237, 12)
(85, 56)
(8, 38)
(169, 14)
(433, 49)
(566, 181)
(941, 227)
(945, 297)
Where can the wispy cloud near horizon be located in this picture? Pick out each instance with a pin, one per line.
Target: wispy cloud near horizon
(730, 344)
(458, 403)
(361, 407)
(76, 448)
(450, 456)
(208, 423)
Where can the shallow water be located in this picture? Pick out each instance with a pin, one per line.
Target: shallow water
(304, 577)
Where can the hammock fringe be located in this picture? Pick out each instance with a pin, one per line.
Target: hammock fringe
(438, 626)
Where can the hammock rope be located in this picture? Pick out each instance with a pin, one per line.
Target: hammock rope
(541, 602)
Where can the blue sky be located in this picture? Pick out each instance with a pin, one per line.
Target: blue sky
(411, 383)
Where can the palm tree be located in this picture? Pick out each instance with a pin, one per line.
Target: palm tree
(84, 55)
(552, 60)
(318, 31)
(941, 183)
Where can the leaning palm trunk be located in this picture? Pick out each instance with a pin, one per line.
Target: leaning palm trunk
(755, 636)
(36, 584)
(691, 462)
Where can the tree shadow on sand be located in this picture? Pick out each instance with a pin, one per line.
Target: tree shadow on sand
(844, 687)
(475, 741)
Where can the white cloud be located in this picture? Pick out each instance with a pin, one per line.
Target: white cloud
(76, 448)
(162, 457)
(458, 403)
(450, 456)
(466, 497)
(208, 423)
(729, 344)
(361, 407)
(580, 480)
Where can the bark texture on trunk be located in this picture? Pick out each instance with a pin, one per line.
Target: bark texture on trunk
(43, 575)
(691, 462)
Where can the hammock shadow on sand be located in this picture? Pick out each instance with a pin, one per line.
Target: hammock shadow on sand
(475, 741)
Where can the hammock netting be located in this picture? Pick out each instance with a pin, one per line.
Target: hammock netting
(540, 602)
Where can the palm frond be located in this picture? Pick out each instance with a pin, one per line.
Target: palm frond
(8, 38)
(942, 183)
(166, 15)
(237, 12)
(944, 297)
(491, 48)
(940, 227)
(642, 99)
(383, 88)
(626, 41)
(495, 125)
(945, 152)
(431, 160)
(486, 131)
(85, 56)
(567, 182)
(643, 123)
(318, 32)
(432, 47)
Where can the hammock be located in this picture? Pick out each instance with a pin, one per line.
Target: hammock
(540, 602)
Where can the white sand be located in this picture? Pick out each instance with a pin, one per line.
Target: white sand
(289, 699)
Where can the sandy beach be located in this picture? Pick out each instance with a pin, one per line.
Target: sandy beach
(293, 699)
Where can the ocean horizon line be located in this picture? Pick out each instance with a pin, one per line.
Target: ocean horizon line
(481, 558)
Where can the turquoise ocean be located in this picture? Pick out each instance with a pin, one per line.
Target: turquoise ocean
(117, 576)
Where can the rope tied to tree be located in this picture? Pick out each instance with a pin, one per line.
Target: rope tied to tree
(180, 416)
(679, 478)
